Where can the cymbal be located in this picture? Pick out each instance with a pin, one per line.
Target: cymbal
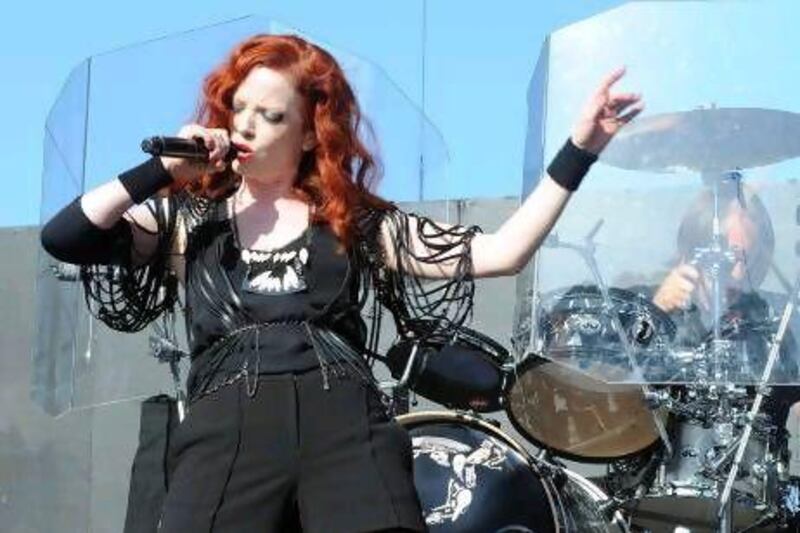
(706, 140)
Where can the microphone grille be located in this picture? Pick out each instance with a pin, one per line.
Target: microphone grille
(152, 145)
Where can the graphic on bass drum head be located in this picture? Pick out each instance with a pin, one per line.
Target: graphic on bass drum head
(470, 476)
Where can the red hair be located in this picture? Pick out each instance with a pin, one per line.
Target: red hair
(337, 175)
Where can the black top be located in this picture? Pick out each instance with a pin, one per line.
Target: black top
(284, 346)
(236, 332)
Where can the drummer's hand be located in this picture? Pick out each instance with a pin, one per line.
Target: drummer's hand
(604, 114)
(217, 141)
(677, 288)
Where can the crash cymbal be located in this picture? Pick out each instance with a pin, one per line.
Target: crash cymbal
(706, 140)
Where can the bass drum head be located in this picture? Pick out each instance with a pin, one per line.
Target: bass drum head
(472, 477)
(577, 416)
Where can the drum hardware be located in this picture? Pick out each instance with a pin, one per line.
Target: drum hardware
(725, 497)
(551, 467)
(718, 412)
(715, 261)
(614, 504)
(658, 399)
(403, 383)
(164, 347)
(400, 400)
(543, 455)
(402, 397)
(65, 271)
(554, 471)
(409, 365)
(767, 519)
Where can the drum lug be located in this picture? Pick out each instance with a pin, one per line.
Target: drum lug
(555, 472)
(609, 507)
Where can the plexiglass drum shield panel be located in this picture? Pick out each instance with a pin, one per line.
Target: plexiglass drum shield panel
(675, 261)
(110, 103)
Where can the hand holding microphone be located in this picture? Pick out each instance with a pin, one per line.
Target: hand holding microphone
(195, 151)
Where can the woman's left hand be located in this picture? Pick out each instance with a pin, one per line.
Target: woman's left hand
(605, 114)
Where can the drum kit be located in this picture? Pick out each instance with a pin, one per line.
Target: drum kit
(692, 453)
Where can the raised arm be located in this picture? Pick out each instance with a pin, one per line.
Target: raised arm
(111, 224)
(508, 250)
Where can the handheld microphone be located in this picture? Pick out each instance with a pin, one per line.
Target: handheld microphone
(184, 148)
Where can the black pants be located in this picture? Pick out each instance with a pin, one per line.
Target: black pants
(293, 456)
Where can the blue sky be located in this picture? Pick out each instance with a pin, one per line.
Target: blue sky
(479, 58)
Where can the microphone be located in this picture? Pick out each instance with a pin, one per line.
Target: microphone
(184, 148)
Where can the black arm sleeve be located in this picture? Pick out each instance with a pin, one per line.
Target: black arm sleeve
(123, 294)
(128, 296)
(422, 307)
(71, 237)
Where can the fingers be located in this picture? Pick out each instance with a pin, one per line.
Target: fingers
(624, 107)
(678, 288)
(688, 271)
(216, 140)
(610, 79)
(222, 144)
(687, 277)
(631, 114)
(620, 101)
(618, 108)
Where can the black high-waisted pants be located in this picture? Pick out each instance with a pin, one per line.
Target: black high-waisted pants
(292, 457)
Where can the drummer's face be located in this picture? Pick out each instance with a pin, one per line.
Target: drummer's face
(742, 236)
(268, 116)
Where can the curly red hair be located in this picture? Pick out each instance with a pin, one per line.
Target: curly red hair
(338, 174)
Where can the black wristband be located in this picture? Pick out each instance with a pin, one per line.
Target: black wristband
(570, 165)
(145, 180)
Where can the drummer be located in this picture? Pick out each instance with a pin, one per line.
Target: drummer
(685, 293)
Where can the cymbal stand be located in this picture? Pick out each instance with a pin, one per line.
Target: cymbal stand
(402, 397)
(164, 347)
(715, 261)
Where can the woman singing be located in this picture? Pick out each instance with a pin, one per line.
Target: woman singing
(277, 252)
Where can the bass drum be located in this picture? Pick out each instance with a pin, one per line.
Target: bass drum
(470, 476)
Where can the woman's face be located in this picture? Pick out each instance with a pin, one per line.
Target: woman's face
(268, 127)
